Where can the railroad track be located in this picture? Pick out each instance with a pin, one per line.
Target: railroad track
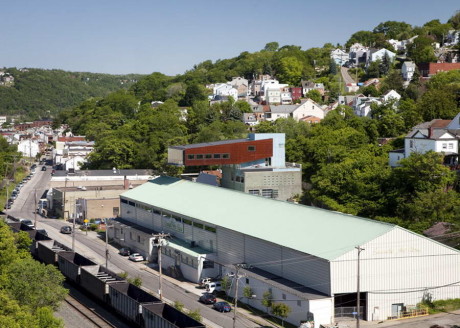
(88, 313)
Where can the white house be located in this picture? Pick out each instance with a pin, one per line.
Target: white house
(74, 163)
(339, 56)
(28, 148)
(374, 55)
(273, 95)
(225, 89)
(429, 136)
(307, 108)
(390, 95)
(408, 70)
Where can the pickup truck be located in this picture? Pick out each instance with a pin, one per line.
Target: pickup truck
(204, 281)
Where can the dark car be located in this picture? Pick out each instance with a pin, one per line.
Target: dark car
(125, 251)
(43, 168)
(33, 166)
(207, 298)
(222, 307)
(66, 229)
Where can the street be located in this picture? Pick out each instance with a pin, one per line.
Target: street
(93, 247)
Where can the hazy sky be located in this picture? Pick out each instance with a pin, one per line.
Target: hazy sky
(144, 36)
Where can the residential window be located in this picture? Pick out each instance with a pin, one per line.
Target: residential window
(451, 146)
(411, 143)
(191, 156)
(138, 239)
(247, 281)
(444, 146)
(254, 192)
(251, 148)
(284, 296)
(217, 156)
(299, 303)
(199, 156)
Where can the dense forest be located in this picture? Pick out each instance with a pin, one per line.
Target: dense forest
(344, 166)
(38, 93)
(29, 291)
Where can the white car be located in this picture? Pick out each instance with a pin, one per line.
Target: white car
(136, 257)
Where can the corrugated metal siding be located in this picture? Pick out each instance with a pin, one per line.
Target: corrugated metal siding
(124, 305)
(205, 239)
(230, 246)
(306, 270)
(397, 260)
(264, 255)
(145, 217)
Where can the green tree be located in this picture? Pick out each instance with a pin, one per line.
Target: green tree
(455, 20)
(47, 320)
(226, 283)
(248, 292)
(267, 299)
(195, 314)
(271, 46)
(421, 50)
(394, 30)
(46, 291)
(289, 70)
(437, 103)
(179, 306)
(314, 95)
(281, 310)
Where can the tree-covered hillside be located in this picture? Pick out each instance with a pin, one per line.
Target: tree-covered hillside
(38, 93)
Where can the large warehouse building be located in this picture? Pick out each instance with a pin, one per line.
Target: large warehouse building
(306, 257)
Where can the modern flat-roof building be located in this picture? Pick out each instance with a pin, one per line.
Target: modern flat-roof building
(307, 257)
(255, 165)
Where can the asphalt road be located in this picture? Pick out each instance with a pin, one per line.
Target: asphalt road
(346, 77)
(93, 247)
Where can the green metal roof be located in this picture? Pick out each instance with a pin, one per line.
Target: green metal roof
(322, 233)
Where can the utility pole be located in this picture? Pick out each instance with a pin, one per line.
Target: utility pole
(106, 242)
(358, 300)
(235, 306)
(159, 240)
(35, 209)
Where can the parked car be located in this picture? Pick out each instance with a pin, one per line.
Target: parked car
(125, 251)
(43, 232)
(66, 229)
(136, 257)
(204, 281)
(213, 287)
(43, 168)
(28, 223)
(222, 307)
(207, 298)
(33, 166)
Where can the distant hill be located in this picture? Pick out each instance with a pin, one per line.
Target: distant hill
(37, 93)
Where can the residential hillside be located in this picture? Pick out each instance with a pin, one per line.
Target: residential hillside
(36, 93)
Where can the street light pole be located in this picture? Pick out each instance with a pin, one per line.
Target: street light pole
(358, 300)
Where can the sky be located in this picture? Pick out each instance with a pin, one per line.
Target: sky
(170, 36)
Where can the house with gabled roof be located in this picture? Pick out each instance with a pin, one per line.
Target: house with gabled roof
(429, 136)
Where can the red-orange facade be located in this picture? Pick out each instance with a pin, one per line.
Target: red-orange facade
(231, 153)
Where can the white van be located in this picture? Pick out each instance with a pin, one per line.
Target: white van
(213, 287)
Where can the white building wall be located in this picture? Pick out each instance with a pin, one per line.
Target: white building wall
(308, 108)
(230, 246)
(267, 254)
(419, 145)
(321, 308)
(398, 261)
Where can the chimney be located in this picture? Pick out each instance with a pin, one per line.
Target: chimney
(430, 132)
(125, 183)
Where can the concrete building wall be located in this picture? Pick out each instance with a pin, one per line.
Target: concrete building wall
(286, 183)
(102, 208)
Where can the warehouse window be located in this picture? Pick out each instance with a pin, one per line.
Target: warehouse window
(217, 156)
(254, 192)
(251, 148)
(211, 229)
(124, 201)
(189, 222)
(199, 156)
(208, 156)
(191, 156)
(225, 156)
(198, 225)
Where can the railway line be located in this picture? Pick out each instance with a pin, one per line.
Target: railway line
(97, 320)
